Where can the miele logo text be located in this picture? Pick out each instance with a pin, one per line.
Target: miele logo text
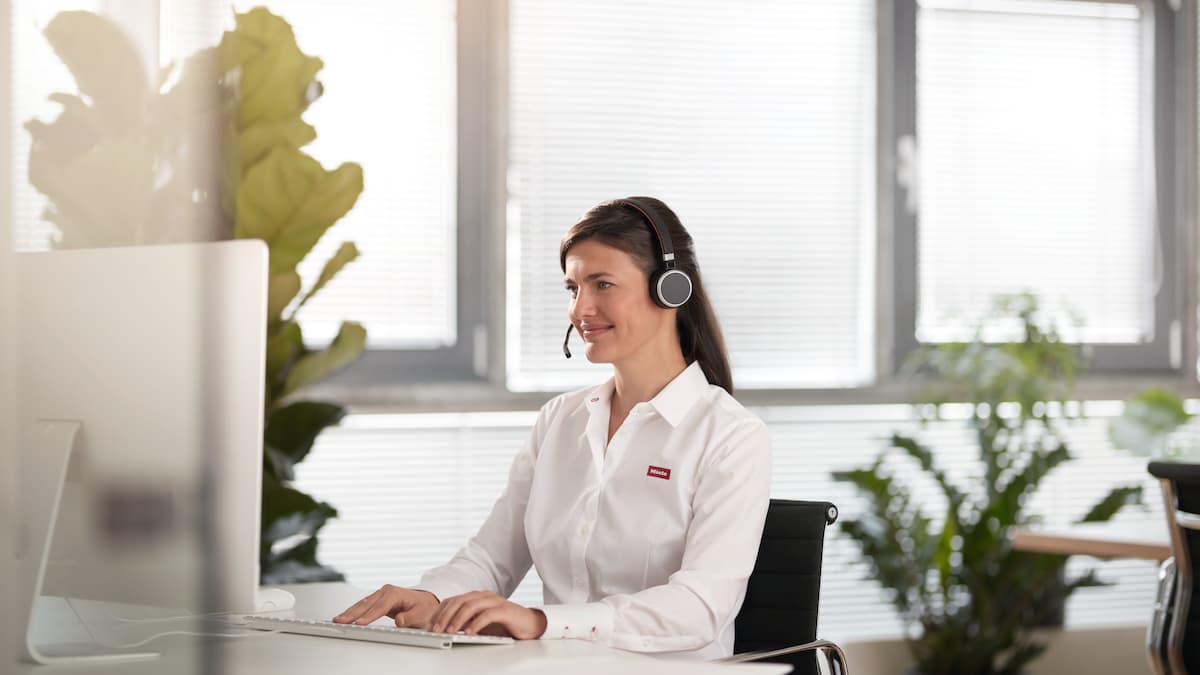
(659, 472)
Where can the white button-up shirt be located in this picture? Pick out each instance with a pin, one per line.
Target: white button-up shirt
(643, 543)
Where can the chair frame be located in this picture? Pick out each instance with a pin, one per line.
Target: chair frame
(835, 658)
(1165, 633)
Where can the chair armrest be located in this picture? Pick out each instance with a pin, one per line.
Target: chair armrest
(833, 654)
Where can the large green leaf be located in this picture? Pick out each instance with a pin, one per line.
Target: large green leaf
(103, 197)
(289, 201)
(346, 254)
(105, 64)
(275, 75)
(297, 565)
(315, 366)
(282, 288)
(283, 345)
(288, 512)
(257, 141)
(292, 430)
(1147, 421)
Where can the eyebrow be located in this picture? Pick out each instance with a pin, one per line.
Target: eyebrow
(590, 277)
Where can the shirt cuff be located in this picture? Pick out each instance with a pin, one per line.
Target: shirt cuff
(592, 621)
(441, 590)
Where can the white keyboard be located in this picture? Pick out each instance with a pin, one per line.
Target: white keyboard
(372, 633)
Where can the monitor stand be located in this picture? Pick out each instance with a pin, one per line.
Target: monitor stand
(44, 470)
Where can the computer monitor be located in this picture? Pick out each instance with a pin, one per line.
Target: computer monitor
(140, 388)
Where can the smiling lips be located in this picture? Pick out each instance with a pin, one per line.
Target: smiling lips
(593, 331)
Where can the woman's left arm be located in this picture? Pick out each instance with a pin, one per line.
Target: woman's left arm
(688, 612)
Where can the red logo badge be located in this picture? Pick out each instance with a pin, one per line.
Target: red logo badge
(659, 472)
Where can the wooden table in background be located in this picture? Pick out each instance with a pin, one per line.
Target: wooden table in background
(1102, 540)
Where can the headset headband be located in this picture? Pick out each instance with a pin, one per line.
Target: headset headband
(661, 234)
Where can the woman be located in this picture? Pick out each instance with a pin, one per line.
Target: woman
(641, 501)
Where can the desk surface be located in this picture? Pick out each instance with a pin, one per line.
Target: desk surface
(1102, 540)
(265, 653)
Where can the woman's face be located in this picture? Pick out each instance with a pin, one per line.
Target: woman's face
(610, 302)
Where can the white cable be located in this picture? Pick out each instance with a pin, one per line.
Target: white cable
(139, 643)
(181, 617)
(156, 636)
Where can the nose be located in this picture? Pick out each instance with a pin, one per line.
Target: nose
(583, 305)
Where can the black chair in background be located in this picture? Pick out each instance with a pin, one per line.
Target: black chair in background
(1173, 638)
(778, 620)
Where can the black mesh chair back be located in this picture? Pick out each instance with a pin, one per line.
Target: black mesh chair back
(784, 591)
(1181, 494)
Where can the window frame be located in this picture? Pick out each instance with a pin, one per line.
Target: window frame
(470, 375)
(1172, 112)
(476, 357)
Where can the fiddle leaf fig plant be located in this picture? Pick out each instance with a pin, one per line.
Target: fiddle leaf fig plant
(969, 600)
(286, 198)
(208, 150)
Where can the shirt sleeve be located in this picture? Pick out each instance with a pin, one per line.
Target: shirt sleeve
(497, 557)
(691, 610)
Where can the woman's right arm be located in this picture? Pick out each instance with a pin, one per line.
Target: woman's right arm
(495, 559)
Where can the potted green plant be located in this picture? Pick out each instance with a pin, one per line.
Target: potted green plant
(968, 599)
(226, 132)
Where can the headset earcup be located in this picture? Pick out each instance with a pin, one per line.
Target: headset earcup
(670, 288)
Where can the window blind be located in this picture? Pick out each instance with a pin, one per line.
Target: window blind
(755, 123)
(410, 490)
(1034, 130)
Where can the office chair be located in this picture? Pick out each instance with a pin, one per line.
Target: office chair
(778, 620)
(1173, 638)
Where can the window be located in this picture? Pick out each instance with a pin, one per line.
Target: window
(391, 108)
(399, 123)
(1041, 160)
(755, 126)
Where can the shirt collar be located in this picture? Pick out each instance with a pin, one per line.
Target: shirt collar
(672, 403)
(680, 394)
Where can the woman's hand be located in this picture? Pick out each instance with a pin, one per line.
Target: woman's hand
(410, 608)
(484, 612)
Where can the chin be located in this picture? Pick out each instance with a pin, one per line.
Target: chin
(595, 355)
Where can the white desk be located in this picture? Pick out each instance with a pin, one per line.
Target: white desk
(266, 654)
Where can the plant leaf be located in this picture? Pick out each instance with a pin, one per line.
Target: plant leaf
(105, 64)
(345, 254)
(274, 74)
(283, 287)
(289, 201)
(1147, 421)
(257, 141)
(1113, 502)
(297, 564)
(292, 429)
(283, 345)
(288, 512)
(315, 366)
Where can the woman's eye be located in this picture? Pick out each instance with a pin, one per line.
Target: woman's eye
(604, 284)
(572, 290)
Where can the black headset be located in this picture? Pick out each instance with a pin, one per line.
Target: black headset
(669, 287)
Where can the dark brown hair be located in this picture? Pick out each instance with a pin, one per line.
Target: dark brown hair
(624, 228)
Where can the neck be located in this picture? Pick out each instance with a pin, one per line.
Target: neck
(640, 379)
